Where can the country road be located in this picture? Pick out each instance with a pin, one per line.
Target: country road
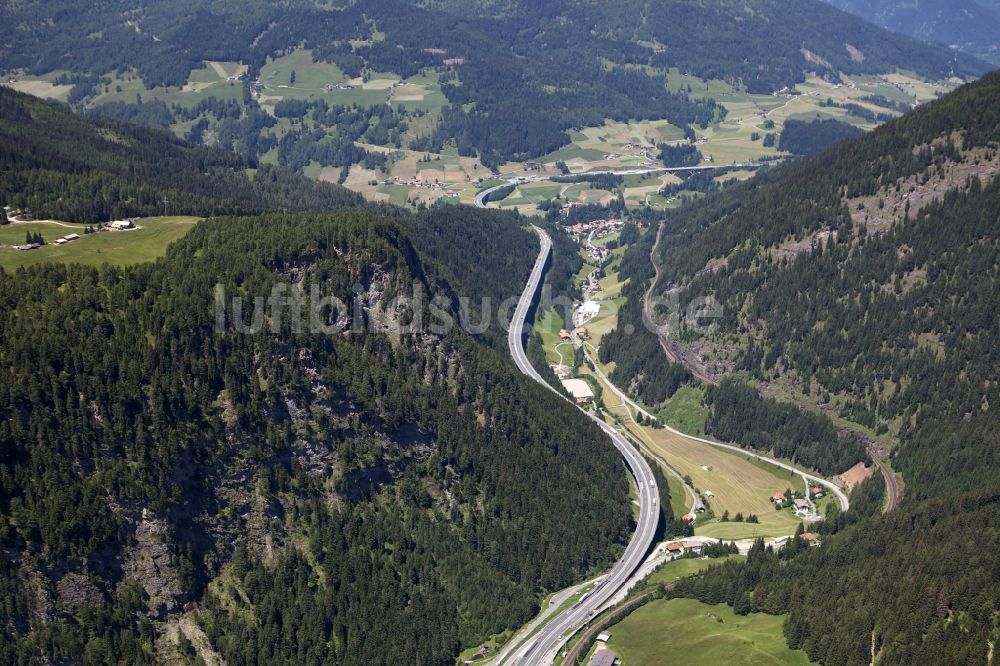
(621, 172)
(542, 647)
(703, 376)
(806, 477)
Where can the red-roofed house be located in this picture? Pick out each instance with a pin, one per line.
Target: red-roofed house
(778, 497)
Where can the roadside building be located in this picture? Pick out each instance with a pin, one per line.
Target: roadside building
(674, 548)
(581, 332)
(70, 237)
(691, 546)
(28, 246)
(564, 335)
(121, 225)
(688, 517)
(604, 637)
(802, 505)
(699, 506)
(817, 491)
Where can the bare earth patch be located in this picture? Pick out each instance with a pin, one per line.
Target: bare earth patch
(855, 475)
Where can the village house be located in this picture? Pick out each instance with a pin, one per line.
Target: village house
(691, 546)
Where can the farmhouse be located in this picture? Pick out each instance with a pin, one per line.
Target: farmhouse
(121, 225)
(688, 517)
(604, 636)
(778, 497)
(579, 389)
(802, 505)
(70, 237)
(28, 246)
(709, 494)
(581, 332)
(817, 491)
(692, 546)
(674, 548)
(564, 335)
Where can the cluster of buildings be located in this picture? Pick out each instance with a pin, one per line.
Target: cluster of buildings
(599, 228)
(115, 225)
(801, 506)
(424, 184)
(686, 546)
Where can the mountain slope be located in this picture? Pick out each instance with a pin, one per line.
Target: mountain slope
(66, 167)
(368, 496)
(864, 282)
(394, 497)
(514, 80)
(971, 26)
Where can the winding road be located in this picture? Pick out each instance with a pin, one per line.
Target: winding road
(542, 647)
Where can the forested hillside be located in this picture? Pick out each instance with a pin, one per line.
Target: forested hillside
(970, 25)
(509, 93)
(366, 497)
(65, 167)
(864, 281)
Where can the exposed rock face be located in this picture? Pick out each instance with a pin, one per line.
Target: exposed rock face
(76, 591)
(151, 563)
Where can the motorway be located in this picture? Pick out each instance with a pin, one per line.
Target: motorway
(806, 477)
(544, 645)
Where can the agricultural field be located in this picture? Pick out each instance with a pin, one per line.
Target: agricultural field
(695, 633)
(41, 86)
(118, 248)
(213, 80)
(415, 176)
(739, 484)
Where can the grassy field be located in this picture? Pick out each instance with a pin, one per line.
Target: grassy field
(738, 483)
(685, 410)
(691, 632)
(110, 247)
(41, 87)
(548, 326)
(686, 566)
